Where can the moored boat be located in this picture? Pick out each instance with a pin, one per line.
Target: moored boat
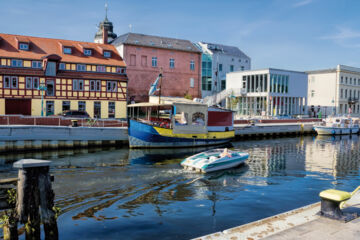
(337, 126)
(214, 160)
(177, 122)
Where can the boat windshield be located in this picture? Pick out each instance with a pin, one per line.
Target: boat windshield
(156, 115)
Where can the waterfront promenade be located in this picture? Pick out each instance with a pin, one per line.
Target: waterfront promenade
(302, 223)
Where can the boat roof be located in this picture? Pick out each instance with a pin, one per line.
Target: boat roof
(166, 101)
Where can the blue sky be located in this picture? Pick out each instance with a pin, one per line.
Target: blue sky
(287, 34)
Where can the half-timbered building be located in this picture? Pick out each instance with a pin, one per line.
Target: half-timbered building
(42, 76)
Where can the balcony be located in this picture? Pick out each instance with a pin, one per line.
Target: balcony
(353, 100)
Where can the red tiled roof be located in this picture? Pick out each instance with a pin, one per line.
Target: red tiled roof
(40, 47)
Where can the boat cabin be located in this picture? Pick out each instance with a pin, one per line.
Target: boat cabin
(181, 117)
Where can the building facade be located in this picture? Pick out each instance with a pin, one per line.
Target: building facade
(146, 56)
(218, 60)
(334, 91)
(267, 92)
(42, 76)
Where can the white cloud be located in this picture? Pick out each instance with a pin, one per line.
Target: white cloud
(344, 37)
(343, 33)
(302, 3)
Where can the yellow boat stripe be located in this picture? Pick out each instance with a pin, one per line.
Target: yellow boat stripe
(210, 135)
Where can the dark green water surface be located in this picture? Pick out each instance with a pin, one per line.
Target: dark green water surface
(138, 194)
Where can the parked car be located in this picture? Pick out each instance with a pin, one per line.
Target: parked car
(75, 114)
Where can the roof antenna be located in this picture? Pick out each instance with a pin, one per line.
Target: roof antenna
(130, 27)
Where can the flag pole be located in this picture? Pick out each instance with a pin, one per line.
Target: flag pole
(160, 75)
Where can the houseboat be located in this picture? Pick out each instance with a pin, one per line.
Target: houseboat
(177, 122)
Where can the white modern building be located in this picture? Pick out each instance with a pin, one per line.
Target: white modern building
(217, 61)
(334, 91)
(267, 92)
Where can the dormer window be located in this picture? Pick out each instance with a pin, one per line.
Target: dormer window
(67, 50)
(24, 46)
(87, 52)
(107, 54)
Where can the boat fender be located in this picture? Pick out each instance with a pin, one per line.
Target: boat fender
(333, 131)
(340, 131)
(350, 131)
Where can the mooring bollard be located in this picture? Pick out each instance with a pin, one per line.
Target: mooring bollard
(33, 191)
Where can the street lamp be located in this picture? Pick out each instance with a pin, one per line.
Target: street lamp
(42, 88)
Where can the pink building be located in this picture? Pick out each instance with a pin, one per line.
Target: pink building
(146, 55)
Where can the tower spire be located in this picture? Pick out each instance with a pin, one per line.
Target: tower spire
(106, 11)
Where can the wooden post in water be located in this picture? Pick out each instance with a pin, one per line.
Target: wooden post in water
(34, 191)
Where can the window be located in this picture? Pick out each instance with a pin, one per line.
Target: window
(346, 80)
(81, 85)
(87, 52)
(50, 87)
(24, 46)
(231, 68)
(120, 70)
(49, 108)
(172, 63)
(111, 112)
(6, 82)
(98, 85)
(144, 61)
(154, 61)
(81, 67)
(29, 82)
(62, 66)
(36, 64)
(65, 105)
(16, 63)
(242, 68)
(350, 80)
(82, 105)
(92, 85)
(100, 69)
(342, 79)
(14, 82)
(75, 85)
(97, 109)
(35, 82)
(107, 54)
(192, 65)
(345, 93)
(223, 84)
(198, 119)
(312, 93)
(67, 50)
(132, 60)
(192, 82)
(111, 86)
(220, 67)
(206, 83)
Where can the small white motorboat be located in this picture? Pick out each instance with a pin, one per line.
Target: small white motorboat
(214, 160)
(337, 126)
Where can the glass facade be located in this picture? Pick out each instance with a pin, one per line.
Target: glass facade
(206, 72)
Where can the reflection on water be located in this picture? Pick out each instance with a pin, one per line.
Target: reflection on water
(145, 194)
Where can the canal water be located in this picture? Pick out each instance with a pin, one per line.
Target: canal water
(145, 194)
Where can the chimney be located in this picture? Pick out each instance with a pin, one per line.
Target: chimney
(105, 35)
